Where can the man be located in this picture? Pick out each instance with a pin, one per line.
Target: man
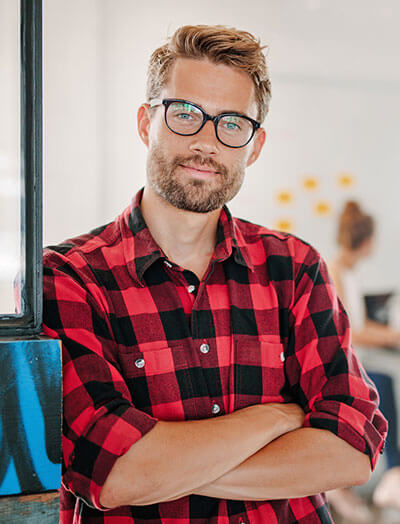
(208, 374)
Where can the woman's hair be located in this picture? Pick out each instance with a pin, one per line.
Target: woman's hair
(355, 227)
(220, 45)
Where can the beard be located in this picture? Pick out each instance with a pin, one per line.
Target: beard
(192, 194)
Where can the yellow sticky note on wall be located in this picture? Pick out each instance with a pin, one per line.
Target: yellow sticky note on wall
(284, 224)
(346, 179)
(310, 183)
(285, 197)
(322, 208)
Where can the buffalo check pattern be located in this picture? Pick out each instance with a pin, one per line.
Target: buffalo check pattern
(145, 340)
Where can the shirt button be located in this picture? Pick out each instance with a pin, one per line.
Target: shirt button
(204, 348)
(139, 363)
(168, 264)
(215, 409)
(191, 288)
(283, 356)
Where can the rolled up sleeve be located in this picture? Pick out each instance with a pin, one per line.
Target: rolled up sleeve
(322, 368)
(100, 421)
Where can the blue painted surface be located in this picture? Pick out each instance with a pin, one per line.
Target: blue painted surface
(30, 421)
(10, 483)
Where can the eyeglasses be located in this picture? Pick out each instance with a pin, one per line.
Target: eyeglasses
(185, 118)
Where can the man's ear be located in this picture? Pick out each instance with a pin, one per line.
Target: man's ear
(143, 123)
(258, 144)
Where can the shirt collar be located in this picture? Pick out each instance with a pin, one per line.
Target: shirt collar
(141, 250)
(230, 241)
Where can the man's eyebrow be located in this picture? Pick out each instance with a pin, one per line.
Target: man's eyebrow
(222, 111)
(232, 111)
(236, 112)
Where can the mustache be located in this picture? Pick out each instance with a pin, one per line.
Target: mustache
(200, 161)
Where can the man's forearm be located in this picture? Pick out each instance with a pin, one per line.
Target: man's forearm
(175, 457)
(298, 464)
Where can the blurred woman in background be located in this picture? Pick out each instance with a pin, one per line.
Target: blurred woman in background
(356, 242)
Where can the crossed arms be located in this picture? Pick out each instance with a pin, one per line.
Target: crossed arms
(257, 453)
(261, 452)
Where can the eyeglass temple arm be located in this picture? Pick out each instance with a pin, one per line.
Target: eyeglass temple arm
(155, 102)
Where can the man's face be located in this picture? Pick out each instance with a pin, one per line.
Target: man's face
(198, 173)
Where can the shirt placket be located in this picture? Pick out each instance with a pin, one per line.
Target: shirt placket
(204, 343)
(204, 372)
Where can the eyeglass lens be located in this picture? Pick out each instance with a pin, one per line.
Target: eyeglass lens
(186, 119)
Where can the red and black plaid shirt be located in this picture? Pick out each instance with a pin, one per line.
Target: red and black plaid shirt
(145, 340)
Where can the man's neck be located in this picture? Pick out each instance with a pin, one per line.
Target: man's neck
(187, 238)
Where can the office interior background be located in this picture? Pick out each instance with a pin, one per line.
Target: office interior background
(332, 130)
(335, 110)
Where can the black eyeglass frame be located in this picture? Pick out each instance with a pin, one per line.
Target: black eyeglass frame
(166, 102)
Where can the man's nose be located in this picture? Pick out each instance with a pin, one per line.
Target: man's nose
(205, 141)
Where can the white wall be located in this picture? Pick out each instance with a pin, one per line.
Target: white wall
(335, 107)
(73, 104)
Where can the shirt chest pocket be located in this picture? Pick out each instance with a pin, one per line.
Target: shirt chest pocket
(156, 379)
(259, 372)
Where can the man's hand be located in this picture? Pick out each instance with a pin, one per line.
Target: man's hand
(174, 458)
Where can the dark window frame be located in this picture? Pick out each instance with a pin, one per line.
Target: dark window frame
(29, 322)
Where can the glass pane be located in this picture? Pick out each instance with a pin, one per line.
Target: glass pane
(10, 184)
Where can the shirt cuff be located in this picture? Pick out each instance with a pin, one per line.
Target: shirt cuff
(95, 452)
(349, 424)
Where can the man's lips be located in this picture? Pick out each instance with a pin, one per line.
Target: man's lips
(198, 171)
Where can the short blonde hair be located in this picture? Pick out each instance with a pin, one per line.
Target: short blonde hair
(220, 45)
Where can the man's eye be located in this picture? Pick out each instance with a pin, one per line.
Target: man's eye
(183, 116)
(231, 124)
